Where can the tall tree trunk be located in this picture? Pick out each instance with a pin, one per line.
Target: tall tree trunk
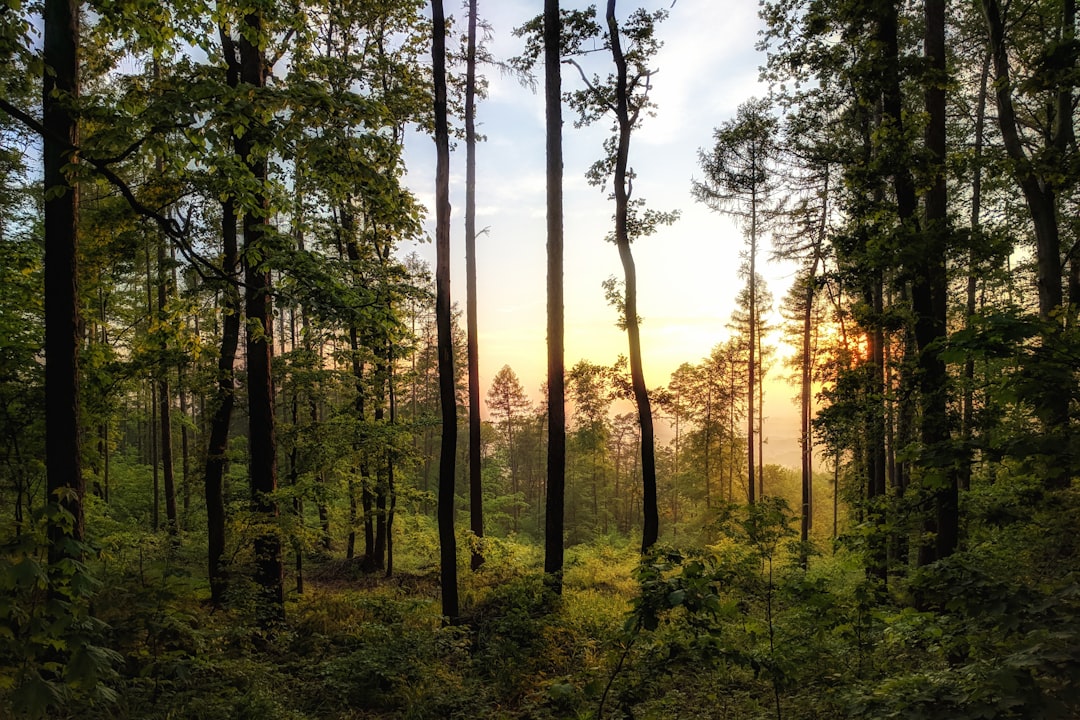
(929, 293)
(967, 418)
(155, 510)
(751, 363)
(1052, 406)
(185, 455)
(476, 495)
(225, 400)
(379, 554)
(64, 482)
(447, 399)
(262, 434)
(650, 508)
(172, 521)
(218, 435)
(391, 490)
(556, 381)
(761, 416)
(806, 444)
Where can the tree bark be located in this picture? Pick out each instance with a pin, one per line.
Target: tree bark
(262, 434)
(967, 420)
(1052, 406)
(476, 495)
(556, 369)
(930, 292)
(650, 508)
(447, 399)
(64, 481)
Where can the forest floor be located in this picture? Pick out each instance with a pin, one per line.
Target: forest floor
(737, 629)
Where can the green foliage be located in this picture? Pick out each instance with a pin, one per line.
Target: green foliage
(53, 652)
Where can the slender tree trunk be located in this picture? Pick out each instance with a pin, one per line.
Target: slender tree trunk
(448, 401)
(155, 510)
(806, 445)
(930, 289)
(262, 434)
(64, 482)
(217, 444)
(761, 416)
(967, 420)
(751, 363)
(476, 495)
(172, 521)
(391, 490)
(185, 455)
(650, 508)
(554, 528)
(218, 436)
(1052, 407)
(298, 501)
(378, 557)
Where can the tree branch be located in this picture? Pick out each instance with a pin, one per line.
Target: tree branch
(169, 226)
(592, 88)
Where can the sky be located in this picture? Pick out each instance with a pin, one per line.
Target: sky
(687, 273)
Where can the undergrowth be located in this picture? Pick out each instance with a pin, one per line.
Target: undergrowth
(739, 629)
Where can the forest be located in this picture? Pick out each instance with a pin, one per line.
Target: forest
(249, 469)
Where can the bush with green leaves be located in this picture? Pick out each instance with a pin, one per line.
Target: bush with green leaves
(54, 657)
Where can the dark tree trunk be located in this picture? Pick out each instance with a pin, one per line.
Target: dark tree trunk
(225, 400)
(152, 444)
(172, 521)
(1052, 405)
(185, 446)
(218, 442)
(806, 445)
(391, 490)
(62, 333)
(262, 435)
(751, 363)
(377, 559)
(447, 399)
(476, 495)
(556, 380)
(967, 420)
(930, 290)
(650, 508)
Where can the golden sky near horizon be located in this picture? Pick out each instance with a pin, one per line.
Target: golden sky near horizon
(687, 273)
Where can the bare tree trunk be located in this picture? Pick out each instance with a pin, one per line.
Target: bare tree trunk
(448, 401)
(751, 363)
(650, 508)
(155, 521)
(172, 522)
(64, 481)
(262, 434)
(225, 399)
(967, 420)
(1040, 195)
(476, 495)
(554, 527)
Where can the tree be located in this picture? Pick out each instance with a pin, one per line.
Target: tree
(556, 392)
(447, 396)
(262, 435)
(508, 403)
(1035, 167)
(739, 179)
(930, 294)
(624, 95)
(65, 484)
(476, 495)
(804, 236)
